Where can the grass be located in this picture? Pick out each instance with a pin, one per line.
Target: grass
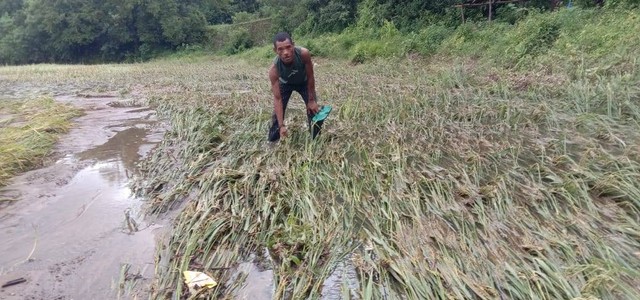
(432, 180)
(28, 131)
(451, 176)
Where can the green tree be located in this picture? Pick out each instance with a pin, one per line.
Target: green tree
(181, 22)
(11, 48)
(287, 15)
(62, 30)
(250, 6)
(217, 11)
(331, 16)
(10, 6)
(84, 30)
(307, 16)
(120, 39)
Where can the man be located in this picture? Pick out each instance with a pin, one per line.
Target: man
(292, 70)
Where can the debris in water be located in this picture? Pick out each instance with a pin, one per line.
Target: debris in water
(14, 282)
(132, 225)
(197, 281)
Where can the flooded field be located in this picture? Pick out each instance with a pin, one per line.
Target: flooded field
(75, 230)
(431, 180)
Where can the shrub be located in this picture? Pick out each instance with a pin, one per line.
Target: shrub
(534, 36)
(429, 39)
(239, 40)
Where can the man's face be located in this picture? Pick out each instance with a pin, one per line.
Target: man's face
(285, 51)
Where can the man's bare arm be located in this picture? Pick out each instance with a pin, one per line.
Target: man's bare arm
(277, 98)
(311, 80)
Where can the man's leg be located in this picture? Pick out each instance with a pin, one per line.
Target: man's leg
(274, 131)
(314, 129)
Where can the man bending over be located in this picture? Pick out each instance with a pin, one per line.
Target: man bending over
(292, 70)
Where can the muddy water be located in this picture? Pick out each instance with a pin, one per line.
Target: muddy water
(67, 233)
(259, 282)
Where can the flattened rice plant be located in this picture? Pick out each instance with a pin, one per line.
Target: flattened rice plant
(431, 182)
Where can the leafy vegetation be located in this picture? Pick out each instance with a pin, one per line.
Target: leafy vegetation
(28, 131)
(82, 31)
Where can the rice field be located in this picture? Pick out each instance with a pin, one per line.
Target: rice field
(431, 180)
(29, 128)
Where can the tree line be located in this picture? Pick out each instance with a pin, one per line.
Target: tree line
(68, 31)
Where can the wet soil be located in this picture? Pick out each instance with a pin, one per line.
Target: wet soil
(74, 230)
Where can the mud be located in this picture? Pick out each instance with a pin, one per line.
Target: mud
(67, 232)
(73, 230)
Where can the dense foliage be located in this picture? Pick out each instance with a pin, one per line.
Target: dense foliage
(33, 31)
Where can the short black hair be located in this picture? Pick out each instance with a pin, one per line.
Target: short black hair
(281, 37)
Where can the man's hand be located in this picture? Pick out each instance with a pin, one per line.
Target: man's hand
(312, 107)
(283, 132)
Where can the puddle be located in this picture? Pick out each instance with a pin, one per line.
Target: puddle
(258, 283)
(344, 278)
(67, 233)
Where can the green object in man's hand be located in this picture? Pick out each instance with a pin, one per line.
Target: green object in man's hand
(322, 114)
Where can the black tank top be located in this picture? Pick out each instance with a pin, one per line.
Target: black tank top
(295, 74)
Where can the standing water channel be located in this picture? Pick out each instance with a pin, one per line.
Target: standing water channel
(74, 229)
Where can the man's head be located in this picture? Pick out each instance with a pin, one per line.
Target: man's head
(284, 47)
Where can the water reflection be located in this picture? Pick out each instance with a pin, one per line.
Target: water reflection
(67, 232)
(124, 147)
